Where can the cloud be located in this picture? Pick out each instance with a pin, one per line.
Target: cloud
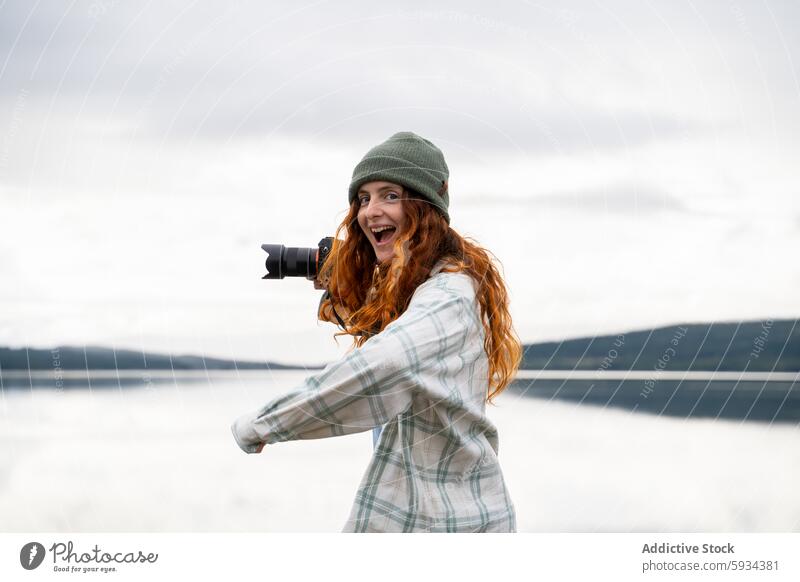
(341, 74)
(618, 199)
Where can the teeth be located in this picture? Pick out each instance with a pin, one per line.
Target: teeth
(381, 228)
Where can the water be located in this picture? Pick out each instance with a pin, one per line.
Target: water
(153, 452)
(742, 400)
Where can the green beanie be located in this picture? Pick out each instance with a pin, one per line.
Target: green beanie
(411, 161)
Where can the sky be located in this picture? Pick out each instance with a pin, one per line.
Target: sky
(630, 164)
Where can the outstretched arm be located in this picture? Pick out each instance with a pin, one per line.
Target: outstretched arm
(371, 384)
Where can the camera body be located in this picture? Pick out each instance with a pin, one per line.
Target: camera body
(296, 261)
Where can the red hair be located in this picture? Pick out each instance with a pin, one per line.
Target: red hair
(368, 295)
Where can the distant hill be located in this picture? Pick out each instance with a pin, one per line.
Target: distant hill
(754, 346)
(97, 358)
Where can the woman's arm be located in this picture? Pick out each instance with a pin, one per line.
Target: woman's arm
(373, 383)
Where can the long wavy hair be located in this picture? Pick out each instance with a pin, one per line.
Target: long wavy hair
(366, 295)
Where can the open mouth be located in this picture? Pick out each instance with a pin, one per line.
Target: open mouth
(383, 234)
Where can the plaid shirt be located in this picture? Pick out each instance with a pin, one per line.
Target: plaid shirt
(425, 376)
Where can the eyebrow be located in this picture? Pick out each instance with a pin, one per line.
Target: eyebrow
(380, 189)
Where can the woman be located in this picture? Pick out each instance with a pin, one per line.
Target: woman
(433, 342)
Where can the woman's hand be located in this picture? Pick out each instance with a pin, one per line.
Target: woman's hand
(248, 447)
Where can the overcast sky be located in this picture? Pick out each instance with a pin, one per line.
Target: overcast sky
(631, 164)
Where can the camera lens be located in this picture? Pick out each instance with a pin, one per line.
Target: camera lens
(290, 262)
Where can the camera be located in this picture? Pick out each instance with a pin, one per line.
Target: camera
(296, 261)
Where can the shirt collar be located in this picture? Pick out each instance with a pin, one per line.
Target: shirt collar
(439, 266)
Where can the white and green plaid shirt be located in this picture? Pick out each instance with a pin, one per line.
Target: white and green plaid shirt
(435, 465)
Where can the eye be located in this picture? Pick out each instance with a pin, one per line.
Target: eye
(362, 200)
(392, 196)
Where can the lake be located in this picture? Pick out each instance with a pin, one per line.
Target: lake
(147, 451)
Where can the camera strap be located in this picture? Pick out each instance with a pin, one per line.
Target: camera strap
(325, 296)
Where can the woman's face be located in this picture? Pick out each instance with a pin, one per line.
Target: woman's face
(381, 206)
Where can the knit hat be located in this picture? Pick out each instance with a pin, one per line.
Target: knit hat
(411, 161)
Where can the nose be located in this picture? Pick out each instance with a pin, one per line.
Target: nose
(374, 208)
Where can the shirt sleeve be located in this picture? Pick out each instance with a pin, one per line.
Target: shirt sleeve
(371, 384)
